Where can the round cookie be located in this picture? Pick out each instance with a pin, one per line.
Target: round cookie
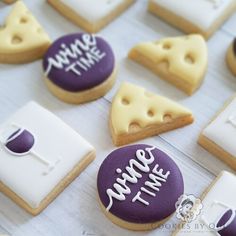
(231, 57)
(138, 187)
(79, 68)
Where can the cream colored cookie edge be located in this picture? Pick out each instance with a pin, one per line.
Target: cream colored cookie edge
(187, 27)
(26, 57)
(55, 192)
(67, 12)
(151, 130)
(215, 149)
(129, 225)
(83, 96)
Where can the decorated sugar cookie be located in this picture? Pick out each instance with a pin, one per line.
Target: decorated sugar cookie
(22, 38)
(182, 61)
(187, 14)
(92, 19)
(138, 187)
(218, 137)
(218, 215)
(137, 114)
(231, 57)
(79, 68)
(21, 143)
(36, 163)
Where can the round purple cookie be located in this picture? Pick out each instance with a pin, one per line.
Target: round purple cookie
(138, 186)
(76, 64)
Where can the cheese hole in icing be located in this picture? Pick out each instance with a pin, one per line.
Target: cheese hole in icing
(150, 113)
(189, 59)
(16, 39)
(23, 20)
(134, 127)
(166, 46)
(125, 101)
(167, 118)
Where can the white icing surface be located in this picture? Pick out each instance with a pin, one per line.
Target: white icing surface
(215, 204)
(86, 9)
(54, 140)
(202, 13)
(222, 130)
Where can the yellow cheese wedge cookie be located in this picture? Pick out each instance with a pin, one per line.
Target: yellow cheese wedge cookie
(181, 61)
(137, 114)
(22, 39)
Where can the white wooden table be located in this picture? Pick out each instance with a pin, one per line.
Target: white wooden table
(76, 211)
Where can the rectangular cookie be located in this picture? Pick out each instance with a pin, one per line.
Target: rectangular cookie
(40, 156)
(219, 136)
(91, 15)
(217, 216)
(194, 16)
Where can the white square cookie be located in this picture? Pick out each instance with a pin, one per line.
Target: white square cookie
(194, 16)
(40, 155)
(218, 216)
(91, 15)
(220, 135)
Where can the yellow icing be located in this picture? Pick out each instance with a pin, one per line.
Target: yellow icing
(133, 104)
(21, 31)
(186, 56)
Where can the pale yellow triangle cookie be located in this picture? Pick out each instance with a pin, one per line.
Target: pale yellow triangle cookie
(137, 114)
(22, 39)
(180, 60)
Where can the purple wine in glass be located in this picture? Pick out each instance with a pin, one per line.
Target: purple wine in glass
(21, 143)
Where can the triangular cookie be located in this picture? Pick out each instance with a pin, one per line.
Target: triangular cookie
(137, 114)
(22, 39)
(181, 61)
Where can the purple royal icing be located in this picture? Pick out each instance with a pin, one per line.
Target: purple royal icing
(22, 142)
(77, 72)
(234, 47)
(230, 230)
(160, 206)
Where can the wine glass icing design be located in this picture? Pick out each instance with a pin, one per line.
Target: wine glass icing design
(21, 143)
(226, 224)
